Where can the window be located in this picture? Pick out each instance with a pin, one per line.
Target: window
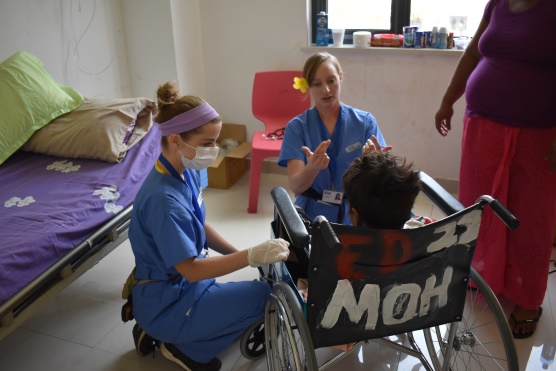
(377, 16)
(462, 17)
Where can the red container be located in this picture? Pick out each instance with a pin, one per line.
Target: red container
(387, 40)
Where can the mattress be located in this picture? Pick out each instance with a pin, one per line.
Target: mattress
(48, 205)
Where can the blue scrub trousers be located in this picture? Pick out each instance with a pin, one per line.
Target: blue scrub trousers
(221, 315)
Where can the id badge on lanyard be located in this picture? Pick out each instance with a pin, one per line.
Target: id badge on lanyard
(197, 201)
(332, 196)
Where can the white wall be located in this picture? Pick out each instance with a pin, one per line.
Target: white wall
(163, 40)
(77, 49)
(187, 27)
(245, 36)
(213, 49)
(403, 89)
(149, 45)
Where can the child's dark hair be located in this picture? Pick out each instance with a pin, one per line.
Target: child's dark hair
(382, 188)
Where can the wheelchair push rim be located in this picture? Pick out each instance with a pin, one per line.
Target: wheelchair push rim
(288, 341)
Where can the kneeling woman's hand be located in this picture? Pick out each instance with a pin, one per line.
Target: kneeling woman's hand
(268, 252)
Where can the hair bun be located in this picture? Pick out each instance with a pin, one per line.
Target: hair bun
(167, 93)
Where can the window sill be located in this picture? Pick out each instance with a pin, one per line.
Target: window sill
(384, 50)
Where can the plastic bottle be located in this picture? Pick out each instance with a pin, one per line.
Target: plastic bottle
(427, 37)
(450, 40)
(434, 37)
(442, 38)
(547, 355)
(322, 29)
(409, 36)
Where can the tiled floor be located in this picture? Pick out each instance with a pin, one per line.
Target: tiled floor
(81, 329)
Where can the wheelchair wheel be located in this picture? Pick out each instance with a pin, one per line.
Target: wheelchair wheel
(483, 339)
(288, 341)
(252, 344)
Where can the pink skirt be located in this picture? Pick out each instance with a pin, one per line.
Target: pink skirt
(509, 164)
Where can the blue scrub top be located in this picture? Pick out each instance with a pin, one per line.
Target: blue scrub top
(164, 231)
(352, 130)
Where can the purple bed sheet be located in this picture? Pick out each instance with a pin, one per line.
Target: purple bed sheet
(48, 205)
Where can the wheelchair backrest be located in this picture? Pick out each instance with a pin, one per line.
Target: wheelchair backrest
(366, 283)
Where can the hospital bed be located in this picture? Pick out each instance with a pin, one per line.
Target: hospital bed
(416, 285)
(58, 218)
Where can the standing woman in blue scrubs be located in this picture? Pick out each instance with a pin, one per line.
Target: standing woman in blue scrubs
(177, 300)
(320, 144)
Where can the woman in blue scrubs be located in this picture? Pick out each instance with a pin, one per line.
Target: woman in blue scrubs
(176, 299)
(320, 144)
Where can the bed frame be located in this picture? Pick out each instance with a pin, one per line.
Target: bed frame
(61, 274)
(80, 244)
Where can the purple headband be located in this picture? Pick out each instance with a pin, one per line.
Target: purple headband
(189, 120)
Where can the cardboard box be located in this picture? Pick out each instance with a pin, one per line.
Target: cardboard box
(226, 170)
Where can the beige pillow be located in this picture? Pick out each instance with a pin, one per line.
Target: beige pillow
(101, 129)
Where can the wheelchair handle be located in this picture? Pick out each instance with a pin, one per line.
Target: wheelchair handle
(503, 213)
(443, 199)
(329, 234)
(290, 217)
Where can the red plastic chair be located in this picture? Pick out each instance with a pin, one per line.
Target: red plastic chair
(275, 102)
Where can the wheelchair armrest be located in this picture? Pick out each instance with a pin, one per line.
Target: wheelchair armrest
(290, 217)
(439, 196)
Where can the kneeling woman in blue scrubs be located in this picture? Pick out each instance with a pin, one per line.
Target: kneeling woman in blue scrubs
(177, 299)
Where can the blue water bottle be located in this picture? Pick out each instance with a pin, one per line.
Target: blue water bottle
(322, 29)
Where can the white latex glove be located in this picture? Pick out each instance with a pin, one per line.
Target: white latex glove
(268, 252)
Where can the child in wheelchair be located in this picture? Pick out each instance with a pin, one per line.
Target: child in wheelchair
(381, 189)
(388, 273)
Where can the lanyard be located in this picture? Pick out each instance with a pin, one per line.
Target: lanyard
(188, 183)
(332, 151)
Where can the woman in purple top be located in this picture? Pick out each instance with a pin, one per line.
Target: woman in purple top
(508, 74)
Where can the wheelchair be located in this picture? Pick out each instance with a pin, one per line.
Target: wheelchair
(369, 285)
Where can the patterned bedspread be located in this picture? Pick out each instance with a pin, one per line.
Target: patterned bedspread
(48, 205)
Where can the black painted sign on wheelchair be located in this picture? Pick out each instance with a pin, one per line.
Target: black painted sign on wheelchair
(366, 284)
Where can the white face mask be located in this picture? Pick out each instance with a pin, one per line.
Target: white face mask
(204, 156)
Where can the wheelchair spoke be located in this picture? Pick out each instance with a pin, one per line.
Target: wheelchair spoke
(481, 341)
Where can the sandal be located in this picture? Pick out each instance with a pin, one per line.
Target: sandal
(520, 335)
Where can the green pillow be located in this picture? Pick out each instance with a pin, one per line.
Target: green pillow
(29, 99)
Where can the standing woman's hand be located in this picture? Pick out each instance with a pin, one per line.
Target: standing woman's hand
(318, 159)
(443, 119)
(373, 145)
(551, 155)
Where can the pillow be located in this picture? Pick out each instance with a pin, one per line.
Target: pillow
(29, 99)
(100, 129)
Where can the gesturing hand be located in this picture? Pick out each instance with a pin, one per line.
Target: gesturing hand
(373, 145)
(318, 159)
